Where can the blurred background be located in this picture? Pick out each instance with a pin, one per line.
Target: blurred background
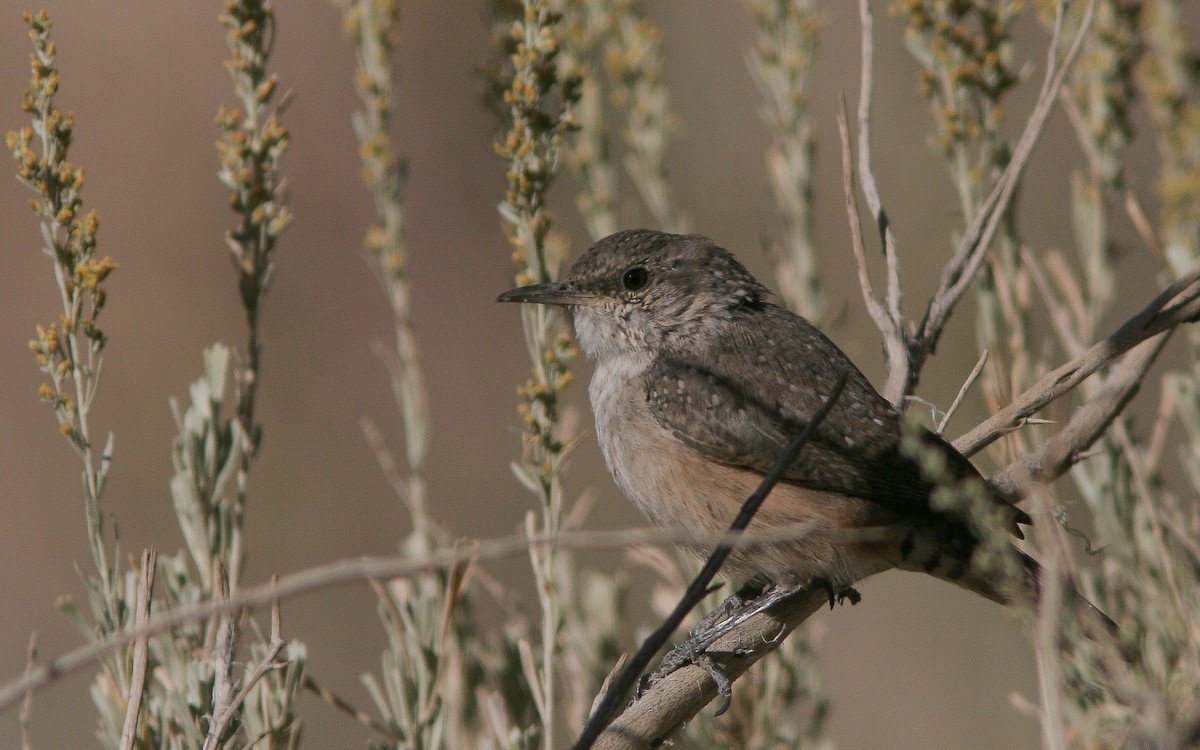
(916, 664)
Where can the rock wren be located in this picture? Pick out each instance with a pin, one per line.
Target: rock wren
(700, 383)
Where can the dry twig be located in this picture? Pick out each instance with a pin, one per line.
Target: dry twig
(138, 683)
(1177, 304)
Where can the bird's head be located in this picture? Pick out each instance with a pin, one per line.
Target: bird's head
(638, 290)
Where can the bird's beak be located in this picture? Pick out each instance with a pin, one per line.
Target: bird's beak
(556, 293)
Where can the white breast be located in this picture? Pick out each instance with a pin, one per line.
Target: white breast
(662, 476)
(627, 433)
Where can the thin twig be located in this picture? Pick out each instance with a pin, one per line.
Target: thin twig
(26, 713)
(222, 691)
(1155, 318)
(264, 666)
(698, 589)
(140, 647)
(962, 392)
(895, 341)
(1061, 451)
(365, 569)
(1145, 230)
(977, 238)
(343, 705)
(874, 306)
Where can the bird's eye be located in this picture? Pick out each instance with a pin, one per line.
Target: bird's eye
(634, 278)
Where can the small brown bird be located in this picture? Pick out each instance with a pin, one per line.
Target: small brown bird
(700, 383)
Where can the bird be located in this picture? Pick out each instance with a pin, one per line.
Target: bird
(701, 381)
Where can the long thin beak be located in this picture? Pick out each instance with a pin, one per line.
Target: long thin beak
(546, 294)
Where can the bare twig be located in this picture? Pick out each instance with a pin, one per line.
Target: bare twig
(365, 569)
(343, 705)
(222, 691)
(977, 238)
(1057, 454)
(1145, 230)
(1179, 303)
(875, 308)
(26, 714)
(895, 344)
(140, 647)
(698, 588)
(962, 392)
(222, 719)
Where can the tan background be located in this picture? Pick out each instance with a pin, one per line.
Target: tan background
(917, 664)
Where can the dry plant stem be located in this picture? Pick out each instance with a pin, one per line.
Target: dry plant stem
(140, 647)
(895, 342)
(1048, 626)
(1058, 453)
(26, 713)
(343, 705)
(958, 273)
(1183, 298)
(222, 719)
(373, 27)
(883, 321)
(366, 569)
(962, 391)
(698, 588)
(222, 655)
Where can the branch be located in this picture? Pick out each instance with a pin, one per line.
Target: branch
(222, 720)
(1183, 298)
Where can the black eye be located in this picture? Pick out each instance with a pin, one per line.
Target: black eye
(634, 278)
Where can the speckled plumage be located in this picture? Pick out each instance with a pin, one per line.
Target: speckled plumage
(700, 383)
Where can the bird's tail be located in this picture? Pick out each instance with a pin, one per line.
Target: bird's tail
(1024, 587)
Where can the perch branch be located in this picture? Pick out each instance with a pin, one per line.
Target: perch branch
(677, 697)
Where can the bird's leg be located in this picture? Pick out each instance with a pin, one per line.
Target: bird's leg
(746, 593)
(755, 597)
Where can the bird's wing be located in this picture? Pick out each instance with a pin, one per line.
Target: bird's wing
(759, 386)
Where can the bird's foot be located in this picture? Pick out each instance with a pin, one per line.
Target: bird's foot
(836, 596)
(752, 599)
